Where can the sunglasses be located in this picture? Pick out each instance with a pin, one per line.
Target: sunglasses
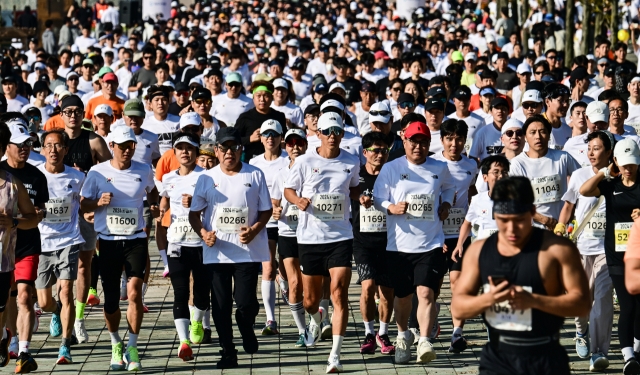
(183, 93)
(530, 105)
(552, 57)
(270, 134)
(27, 143)
(378, 150)
(510, 133)
(125, 146)
(146, 57)
(34, 118)
(234, 148)
(296, 142)
(202, 101)
(335, 130)
(539, 72)
(77, 112)
(404, 105)
(396, 88)
(379, 113)
(234, 84)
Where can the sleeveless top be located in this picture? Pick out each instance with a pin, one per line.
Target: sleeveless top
(80, 152)
(521, 269)
(8, 202)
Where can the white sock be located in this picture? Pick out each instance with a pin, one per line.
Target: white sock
(370, 327)
(317, 317)
(384, 329)
(627, 353)
(182, 326)
(422, 338)
(269, 299)
(198, 315)
(206, 321)
(636, 345)
(297, 310)
(163, 255)
(403, 335)
(115, 337)
(284, 284)
(133, 340)
(24, 347)
(337, 345)
(144, 291)
(4, 333)
(324, 303)
(191, 307)
(457, 331)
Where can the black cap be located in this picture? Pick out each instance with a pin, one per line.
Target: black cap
(610, 71)
(488, 73)
(201, 92)
(40, 86)
(434, 104)
(462, 94)
(297, 65)
(9, 79)
(435, 90)
(496, 102)
(227, 134)
(534, 85)
(311, 108)
(181, 86)
(406, 97)
(554, 90)
(368, 87)
(276, 61)
(579, 73)
(503, 55)
(201, 58)
(531, 54)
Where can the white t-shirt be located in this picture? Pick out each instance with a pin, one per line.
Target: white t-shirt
(480, 215)
(488, 117)
(270, 168)
(288, 223)
(301, 89)
(548, 176)
(164, 129)
(634, 115)
(424, 187)
(180, 233)
(82, 43)
(591, 239)
(123, 218)
(560, 135)
(362, 119)
(326, 182)
(228, 201)
(436, 142)
(85, 86)
(474, 123)
(60, 228)
(486, 142)
(16, 104)
(374, 77)
(228, 110)
(292, 112)
(577, 148)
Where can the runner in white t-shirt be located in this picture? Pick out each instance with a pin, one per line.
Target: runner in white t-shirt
(148, 147)
(115, 190)
(461, 100)
(161, 122)
(61, 239)
(487, 140)
(434, 113)
(230, 210)
(281, 103)
(634, 103)
(576, 146)
(229, 106)
(327, 179)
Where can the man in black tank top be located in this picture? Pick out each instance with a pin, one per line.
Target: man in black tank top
(531, 279)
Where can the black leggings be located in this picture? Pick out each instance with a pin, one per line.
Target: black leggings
(234, 281)
(628, 322)
(5, 288)
(95, 270)
(180, 268)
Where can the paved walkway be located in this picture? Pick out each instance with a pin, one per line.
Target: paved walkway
(158, 344)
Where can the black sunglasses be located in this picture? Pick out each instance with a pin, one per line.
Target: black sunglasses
(379, 113)
(510, 133)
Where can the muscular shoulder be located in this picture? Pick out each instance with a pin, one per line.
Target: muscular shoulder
(558, 247)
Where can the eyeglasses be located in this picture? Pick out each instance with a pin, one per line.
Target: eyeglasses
(551, 57)
(146, 57)
(296, 142)
(234, 148)
(616, 110)
(499, 174)
(538, 72)
(27, 143)
(270, 133)
(414, 143)
(396, 88)
(183, 93)
(202, 101)
(335, 130)
(518, 133)
(378, 150)
(51, 146)
(530, 105)
(71, 113)
(379, 113)
(603, 65)
(405, 105)
(129, 145)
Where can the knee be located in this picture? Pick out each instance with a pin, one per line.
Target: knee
(24, 297)
(426, 294)
(368, 288)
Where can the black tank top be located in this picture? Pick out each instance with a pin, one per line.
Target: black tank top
(80, 152)
(521, 269)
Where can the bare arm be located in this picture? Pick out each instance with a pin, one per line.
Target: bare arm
(100, 149)
(566, 213)
(590, 187)
(29, 219)
(632, 275)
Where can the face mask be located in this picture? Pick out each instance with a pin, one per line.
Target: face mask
(329, 67)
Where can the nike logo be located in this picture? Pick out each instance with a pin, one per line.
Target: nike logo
(616, 192)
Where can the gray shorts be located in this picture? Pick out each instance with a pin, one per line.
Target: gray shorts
(60, 264)
(146, 214)
(88, 233)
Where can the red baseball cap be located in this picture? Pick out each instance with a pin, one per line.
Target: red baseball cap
(381, 55)
(110, 77)
(417, 128)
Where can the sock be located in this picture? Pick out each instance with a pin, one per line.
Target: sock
(115, 337)
(80, 309)
(317, 318)
(206, 322)
(163, 255)
(627, 353)
(457, 331)
(284, 284)
(24, 347)
(269, 299)
(404, 335)
(66, 342)
(636, 345)
(297, 310)
(133, 340)
(324, 303)
(182, 326)
(144, 291)
(422, 339)
(384, 329)
(4, 333)
(198, 314)
(337, 345)
(370, 327)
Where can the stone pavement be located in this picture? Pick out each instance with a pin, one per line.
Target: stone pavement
(158, 344)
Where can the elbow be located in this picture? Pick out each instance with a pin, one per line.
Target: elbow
(632, 282)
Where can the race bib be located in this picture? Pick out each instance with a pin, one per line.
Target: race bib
(467, 145)
(594, 229)
(451, 225)
(546, 189)
(486, 233)
(58, 210)
(621, 232)
(328, 207)
(231, 219)
(292, 216)
(502, 316)
(420, 207)
(372, 220)
(180, 230)
(122, 220)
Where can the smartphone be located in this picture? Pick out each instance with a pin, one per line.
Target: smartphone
(497, 279)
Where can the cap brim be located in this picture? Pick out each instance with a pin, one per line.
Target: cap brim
(134, 113)
(187, 142)
(378, 118)
(627, 160)
(227, 139)
(20, 138)
(597, 118)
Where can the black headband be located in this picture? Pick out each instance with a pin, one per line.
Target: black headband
(510, 207)
(71, 101)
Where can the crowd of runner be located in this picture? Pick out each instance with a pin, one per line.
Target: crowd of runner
(293, 141)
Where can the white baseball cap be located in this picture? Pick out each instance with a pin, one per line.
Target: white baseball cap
(626, 152)
(72, 74)
(328, 120)
(295, 131)
(186, 139)
(190, 118)
(524, 68)
(18, 131)
(378, 108)
(512, 124)
(337, 85)
(280, 83)
(532, 96)
(121, 134)
(597, 111)
(103, 109)
(480, 27)
(332, 103)
(96, 78)
(470, 56)
(197, 80)
(293, 42)
(25, 67)
(271, 125)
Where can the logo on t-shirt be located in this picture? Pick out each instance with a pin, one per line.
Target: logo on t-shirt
(347, 170)
(485, 211)
(315, 170)
(434, 176)
(110, 180)
(247, 184)
(469, 173)
(404, 176)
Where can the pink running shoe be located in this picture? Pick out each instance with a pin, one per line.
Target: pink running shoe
(369, 346)
(386, 347)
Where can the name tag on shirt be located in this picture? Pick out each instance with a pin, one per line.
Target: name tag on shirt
(621, 232)
(502, 316)
(451, 225)
(596, 227)
(180, 230)
(372, 220)
(292, 216)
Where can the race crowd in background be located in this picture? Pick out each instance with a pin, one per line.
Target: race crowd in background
(290, 141)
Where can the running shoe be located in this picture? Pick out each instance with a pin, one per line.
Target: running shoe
(386, 347)
(598, 362)
(13, 348)
(145, 308)
(25, 364)
(416, 336)
(333, 364)
(165, 273)
(37, 309)
(4, 349)
(229, 360)
(55, 328)
(458, 344)
(300, 342)
(81, 331)
(403, 351)
(369, 345)
(582, 345)
(425, 352)
(631, 367)
(207, 336)
(132, 360)
(312, 332)
(270, 329)
(326, 330)
(64, 356)
(117, 364)
(184, 352)
(93, 299)
(196, 333)
(123, 293)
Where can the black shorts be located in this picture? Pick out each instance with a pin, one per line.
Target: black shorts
(451, 245)
(288, 247)
(371, 263)
(409, 270)
(549, 359)
(130, 254)
(5, 288)
(272, 234)
(316, 260)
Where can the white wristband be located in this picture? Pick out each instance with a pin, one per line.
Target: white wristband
(606, 172)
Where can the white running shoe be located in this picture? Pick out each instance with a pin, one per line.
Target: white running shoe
(333, 364)
(312, 332)
(81, 331)
(425, 352)
(416, 336)
(403, 351)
